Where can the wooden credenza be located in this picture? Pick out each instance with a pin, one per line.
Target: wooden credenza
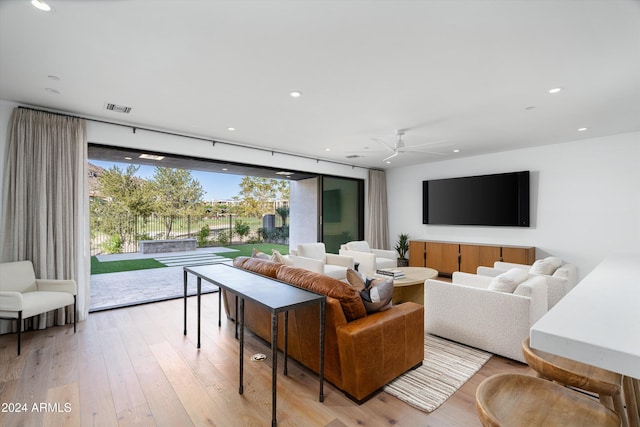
(447, 257)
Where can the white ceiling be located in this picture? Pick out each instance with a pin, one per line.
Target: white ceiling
(462, 71)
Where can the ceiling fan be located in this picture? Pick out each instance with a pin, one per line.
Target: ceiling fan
(400, 147)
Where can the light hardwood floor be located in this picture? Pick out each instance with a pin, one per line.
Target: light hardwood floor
(133, 366)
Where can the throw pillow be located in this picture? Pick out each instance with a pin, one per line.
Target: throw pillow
(554, 261)
(508, 281)
(542, 266)
(355, 279)
(278, 257)
(377, 294)
(257, 254)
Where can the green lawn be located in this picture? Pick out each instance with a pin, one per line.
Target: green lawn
(98, 267)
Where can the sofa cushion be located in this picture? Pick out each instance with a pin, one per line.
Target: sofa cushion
(508, 281)
(360, 246)
(257, 254)
(257, 265)
(349, 298)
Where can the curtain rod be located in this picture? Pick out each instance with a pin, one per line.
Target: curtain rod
(214, 141)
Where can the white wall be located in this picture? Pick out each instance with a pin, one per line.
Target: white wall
(585, 199)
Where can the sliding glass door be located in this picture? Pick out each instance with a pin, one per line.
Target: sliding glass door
(342, 213)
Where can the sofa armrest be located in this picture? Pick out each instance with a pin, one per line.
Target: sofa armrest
(68, 286)
(334, 259)
(366, 260)
(469, 279)
(377, 348)
(384, 253)
(488, 271)
(310, 264)
(10, 301)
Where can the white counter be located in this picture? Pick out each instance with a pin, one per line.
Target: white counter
(598, 322)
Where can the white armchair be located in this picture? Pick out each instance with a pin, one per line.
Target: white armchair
(560, 277)
(469, 311)
(23, 296)
(313, 257)
(369, 259)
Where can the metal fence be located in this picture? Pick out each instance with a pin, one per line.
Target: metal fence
(123, 234)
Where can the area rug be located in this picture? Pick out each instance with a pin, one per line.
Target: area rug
(446, 367)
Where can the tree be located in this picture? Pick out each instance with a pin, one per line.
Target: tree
(258, 192)
(283, 211)
(125, 197)
(177, 194)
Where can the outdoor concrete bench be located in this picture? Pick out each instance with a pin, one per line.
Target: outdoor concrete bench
(159, 246)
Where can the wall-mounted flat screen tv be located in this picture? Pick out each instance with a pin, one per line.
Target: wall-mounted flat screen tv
(495, 200)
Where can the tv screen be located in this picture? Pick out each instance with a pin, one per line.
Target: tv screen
(496, 200)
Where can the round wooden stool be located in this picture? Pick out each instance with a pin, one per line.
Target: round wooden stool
(607, 384)
(521, 400)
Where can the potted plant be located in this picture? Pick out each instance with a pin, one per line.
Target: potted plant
(402, 247)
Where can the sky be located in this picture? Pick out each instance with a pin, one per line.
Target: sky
(216, 186)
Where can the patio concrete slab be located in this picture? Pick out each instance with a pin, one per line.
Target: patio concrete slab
(113, 290)
(137, 255)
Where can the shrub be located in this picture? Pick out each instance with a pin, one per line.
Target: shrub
(242, 228)
(113, 245)
(223, 238)
(202, 235)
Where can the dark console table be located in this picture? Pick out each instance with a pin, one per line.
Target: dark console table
(272, 295)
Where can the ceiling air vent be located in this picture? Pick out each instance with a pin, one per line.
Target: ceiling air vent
(353, 156)
(118, 108)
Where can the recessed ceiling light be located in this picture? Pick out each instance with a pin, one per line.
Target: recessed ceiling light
(296, 94)
(127, 158)
(388, 162)
(225, 169)
(582, 129)
(151, 157)
(231, 129)
(56, 91)
(327, 149)
(555, 90)
(285, 173)
(456, 151)
(41, 5)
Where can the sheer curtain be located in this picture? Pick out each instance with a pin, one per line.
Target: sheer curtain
(45, 203)
(377, 231)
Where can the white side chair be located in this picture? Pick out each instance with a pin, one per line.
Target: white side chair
(560, 277)
(23, 296)
(369, 259)
(313, 257)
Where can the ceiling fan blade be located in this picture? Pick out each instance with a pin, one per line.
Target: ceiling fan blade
(426, 144)
(435, 153)
(391, 156)
(384, 144)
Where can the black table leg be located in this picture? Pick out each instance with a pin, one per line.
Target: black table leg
(199, 282)
(236, 319)
(219, 307)
(286, 340)
(184, 273)
(274, 366)
(321, 373)
(241, 316)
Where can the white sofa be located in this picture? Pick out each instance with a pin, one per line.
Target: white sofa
(369, 259)
(313, 257)
(469, 312)
(23, 296)
(560, 277)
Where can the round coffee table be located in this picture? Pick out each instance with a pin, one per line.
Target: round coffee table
(411, 286)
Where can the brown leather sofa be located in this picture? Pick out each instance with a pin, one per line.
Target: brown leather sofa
(363, 352)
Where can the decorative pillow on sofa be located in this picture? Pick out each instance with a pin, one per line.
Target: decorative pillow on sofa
(257, 254)
(278, 257)
(375, 292)
(546, 266)
(509, 280)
